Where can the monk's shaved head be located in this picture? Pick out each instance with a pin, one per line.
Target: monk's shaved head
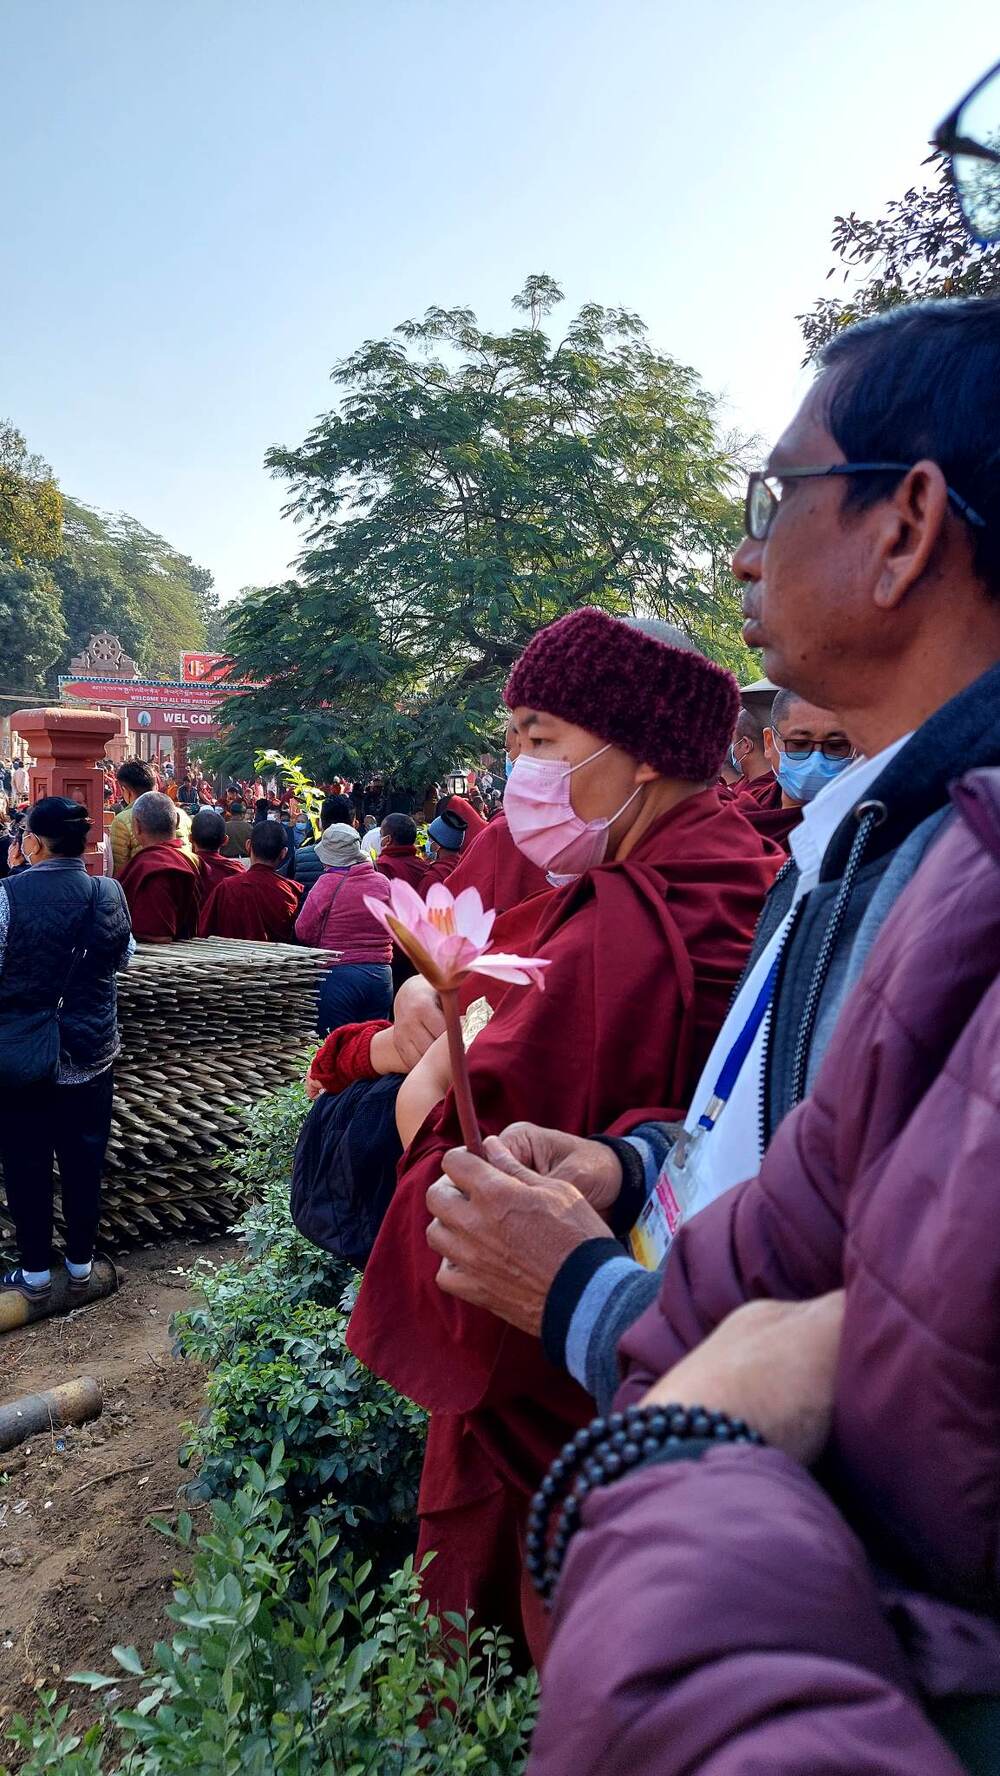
(267, 841)
(155, 815)
(750, 725)
(791, 711)
(208, 830)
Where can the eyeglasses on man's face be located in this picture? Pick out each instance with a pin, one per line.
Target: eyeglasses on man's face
(838, 747)
(764, 492)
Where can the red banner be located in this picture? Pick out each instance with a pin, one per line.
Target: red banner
(204, 668)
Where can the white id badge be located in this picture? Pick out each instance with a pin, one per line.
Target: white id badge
(673, 1193)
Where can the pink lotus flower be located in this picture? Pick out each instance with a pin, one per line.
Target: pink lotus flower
(447, 937)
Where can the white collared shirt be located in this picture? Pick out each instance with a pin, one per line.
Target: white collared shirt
(731, 1151)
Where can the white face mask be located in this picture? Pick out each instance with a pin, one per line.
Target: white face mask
(544, 824)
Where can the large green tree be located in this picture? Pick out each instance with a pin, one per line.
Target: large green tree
(468, 487)
(30, 502)
(32, 632)
(917, 250)
(116, 575)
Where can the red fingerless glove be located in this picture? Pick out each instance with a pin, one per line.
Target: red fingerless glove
(345, 1056)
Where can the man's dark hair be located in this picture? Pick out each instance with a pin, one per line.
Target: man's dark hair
(237, 808)
(135, 774)
(750, 725)
(62, 823)
(924, 381)
(267, 840)
(783, 702)
(399, 829)
(337, 810)
(260, 808)
(208, 830)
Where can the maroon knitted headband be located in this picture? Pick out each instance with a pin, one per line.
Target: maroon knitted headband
(664, 706)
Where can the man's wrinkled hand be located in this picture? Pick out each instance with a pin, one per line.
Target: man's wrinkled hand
(313, 1088)
(770, 1362)
(593, 1169)
(503, 1232)
(418, 1020)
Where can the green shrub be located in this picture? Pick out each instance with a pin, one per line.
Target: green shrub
(270, 1329)
(296, 1649)
(263, 1677)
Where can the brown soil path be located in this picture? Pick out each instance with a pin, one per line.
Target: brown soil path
(80, 1567)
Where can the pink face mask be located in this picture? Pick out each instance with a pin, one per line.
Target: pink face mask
(544, 824)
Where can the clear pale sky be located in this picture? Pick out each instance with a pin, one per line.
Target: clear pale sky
(207, 202)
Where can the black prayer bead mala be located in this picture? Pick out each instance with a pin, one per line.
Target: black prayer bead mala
(600, 1453)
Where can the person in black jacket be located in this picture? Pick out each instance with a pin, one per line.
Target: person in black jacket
(337, 810)
(63, 937)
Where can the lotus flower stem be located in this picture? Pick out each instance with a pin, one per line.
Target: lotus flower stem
(460, 1072)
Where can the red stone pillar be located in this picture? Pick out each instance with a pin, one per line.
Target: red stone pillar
(66, 744)
(180, 756)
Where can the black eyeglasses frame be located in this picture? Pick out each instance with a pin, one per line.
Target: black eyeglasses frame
(761, 478)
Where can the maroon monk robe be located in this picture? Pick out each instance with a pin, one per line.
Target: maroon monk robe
(213, 868)
(494, 865)
(438, 871)
(645, 954)
(255, 904)
(474, 821)
(160, 884)
(400, 863)
(760, 802)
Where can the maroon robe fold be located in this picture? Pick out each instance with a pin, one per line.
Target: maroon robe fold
(474, 821)
(645, 954)
(400, 863)
(160, 884)
(494, 865)
(255, 904)
(439, 870)
(213, 868)
(760, 802)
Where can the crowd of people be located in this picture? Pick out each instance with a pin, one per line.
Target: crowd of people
(707, 1333)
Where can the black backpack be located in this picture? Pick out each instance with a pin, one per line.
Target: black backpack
(344, 1172)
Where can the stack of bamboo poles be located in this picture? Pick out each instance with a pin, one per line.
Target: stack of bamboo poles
(208, 1027)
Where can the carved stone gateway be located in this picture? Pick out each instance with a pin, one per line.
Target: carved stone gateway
(104, 657)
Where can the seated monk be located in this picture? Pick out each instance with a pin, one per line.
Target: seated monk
(208, 835)
(160, 881)
(464, 808)
(806, 748)
(493, 863)
(446, 838)
(397, 857)
(257, 904)
(772, 789)
(660, 888)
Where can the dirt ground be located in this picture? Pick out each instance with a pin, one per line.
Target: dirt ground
(81, 1569)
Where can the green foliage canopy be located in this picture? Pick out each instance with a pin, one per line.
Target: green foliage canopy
(30, 502)
(32, 631)
(469, 487)
(918, 250)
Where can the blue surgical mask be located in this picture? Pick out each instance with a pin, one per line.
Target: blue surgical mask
(508, 765)
(802, 779)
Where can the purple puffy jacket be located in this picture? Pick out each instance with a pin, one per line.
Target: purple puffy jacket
(721, 1617)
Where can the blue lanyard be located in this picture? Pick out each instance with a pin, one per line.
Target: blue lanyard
(734, 1060)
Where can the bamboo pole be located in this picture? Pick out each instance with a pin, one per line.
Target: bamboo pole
(71, 1403)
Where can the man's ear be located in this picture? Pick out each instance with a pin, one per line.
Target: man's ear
(771, 752)
(907, 529)
(646, 774)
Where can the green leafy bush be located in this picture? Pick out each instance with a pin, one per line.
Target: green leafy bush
(265, 1677)
(270, 1329)
(297, 1649)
